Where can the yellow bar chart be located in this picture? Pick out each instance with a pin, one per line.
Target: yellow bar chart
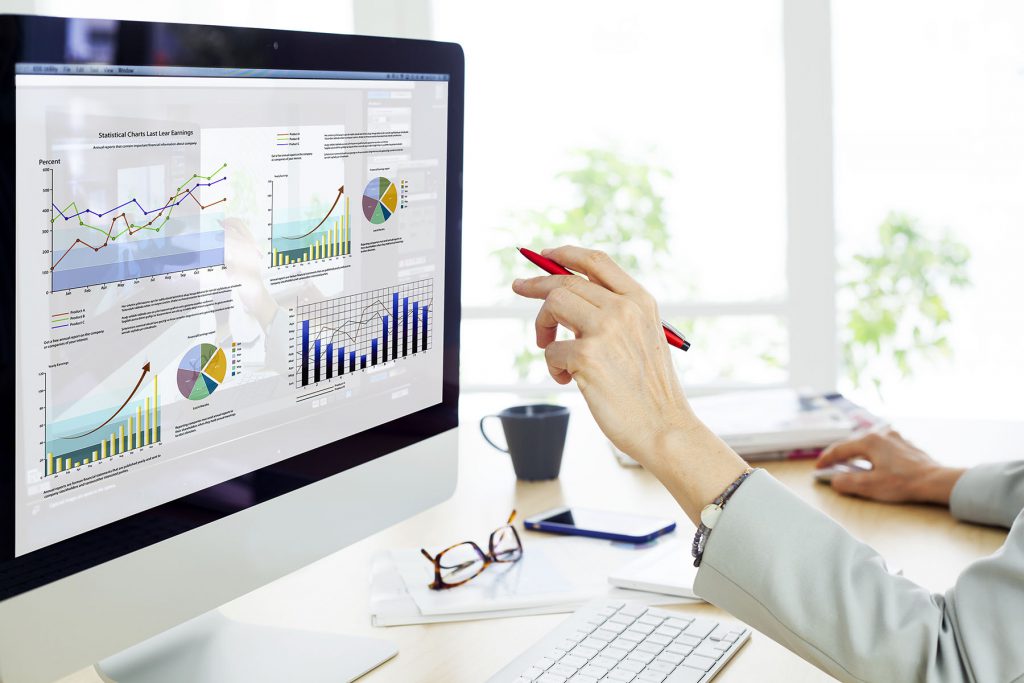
(135, 426)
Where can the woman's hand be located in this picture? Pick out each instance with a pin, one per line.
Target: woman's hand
(901, 472)
(620, 361)
(619, 358)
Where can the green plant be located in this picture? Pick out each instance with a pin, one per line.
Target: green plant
(895, 300)
(616, 204)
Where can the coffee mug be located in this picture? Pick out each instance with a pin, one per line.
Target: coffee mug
(535, 435)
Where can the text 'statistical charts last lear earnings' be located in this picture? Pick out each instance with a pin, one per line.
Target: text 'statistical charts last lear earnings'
(351, 333)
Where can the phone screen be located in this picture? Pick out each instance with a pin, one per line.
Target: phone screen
(610, 522)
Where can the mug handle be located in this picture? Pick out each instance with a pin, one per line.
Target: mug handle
(487, 438)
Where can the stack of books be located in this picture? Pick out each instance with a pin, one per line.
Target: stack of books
(779, 424)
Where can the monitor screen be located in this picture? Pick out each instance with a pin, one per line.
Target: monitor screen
(218, 269)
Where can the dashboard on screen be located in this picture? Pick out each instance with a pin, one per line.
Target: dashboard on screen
(225, 268)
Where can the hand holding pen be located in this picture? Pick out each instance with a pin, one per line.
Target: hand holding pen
(619, 358)
(673, 336)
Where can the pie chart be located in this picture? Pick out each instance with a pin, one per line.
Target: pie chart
(380, 200)
(201, 371)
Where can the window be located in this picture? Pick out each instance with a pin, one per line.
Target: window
(682, 86)
(930, 122)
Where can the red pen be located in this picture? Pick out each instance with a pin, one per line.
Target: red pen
(672, 335)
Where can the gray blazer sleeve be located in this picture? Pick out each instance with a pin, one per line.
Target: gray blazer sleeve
(794, 574)
(989, 494)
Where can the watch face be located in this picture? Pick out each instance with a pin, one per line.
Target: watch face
(710, 514)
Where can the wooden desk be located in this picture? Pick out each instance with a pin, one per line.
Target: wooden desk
(331, 595)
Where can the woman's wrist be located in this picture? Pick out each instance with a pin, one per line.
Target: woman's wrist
(936, 484)
(693, 464)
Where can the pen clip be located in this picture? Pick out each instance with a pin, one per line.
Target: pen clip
(673, 330)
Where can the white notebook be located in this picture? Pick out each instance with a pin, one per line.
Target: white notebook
(667, 569)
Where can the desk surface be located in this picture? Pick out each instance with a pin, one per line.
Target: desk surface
(331, 595)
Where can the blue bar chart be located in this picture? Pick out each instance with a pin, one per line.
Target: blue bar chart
(339, 336)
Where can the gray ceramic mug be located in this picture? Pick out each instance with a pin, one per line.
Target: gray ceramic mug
(535, 435)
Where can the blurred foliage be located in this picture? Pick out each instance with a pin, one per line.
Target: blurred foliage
(615, 204)
(895, 301)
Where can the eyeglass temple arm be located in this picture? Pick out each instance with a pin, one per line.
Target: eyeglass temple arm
(426, 554)
(511, 518)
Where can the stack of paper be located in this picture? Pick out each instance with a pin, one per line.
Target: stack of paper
(554, 575)
(778, 423)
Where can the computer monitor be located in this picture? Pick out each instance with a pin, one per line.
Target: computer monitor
(231, 327)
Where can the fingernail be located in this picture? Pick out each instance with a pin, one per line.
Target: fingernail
(545, 252)
(517, 282)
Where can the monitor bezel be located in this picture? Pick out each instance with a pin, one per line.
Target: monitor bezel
(29, 39)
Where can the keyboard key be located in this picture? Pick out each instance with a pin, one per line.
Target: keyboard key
(672, 658)
(692, 641)
(603, 661)
(573, 661)
(679, 649)
(606, 612)
(685, 674)
(664, 641)
(632, 665)
(544, 663)
(705, 650)
(650, 619)
(582, 651)
(677, 622)
(532, 674)
(594, 643)
(641, 627)
(621, 618)
(632, 636)
(580, 678)
(633, 610)
(604, 635)
(698, 662)
(661, 613)
(639, 656)
(620, 675)
(623, 644)
(562, 670)
(650, 676)
(700, 628)
(612, 652)
(613, 627)
(668, 631)
(567, 644)
(663, 667)
(617, 604)
(648, 646)
(597, 672)
(720, 631)
(551, 678)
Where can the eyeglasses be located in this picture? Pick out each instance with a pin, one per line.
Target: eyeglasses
(459, 563)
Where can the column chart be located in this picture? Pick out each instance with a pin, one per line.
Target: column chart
(340, 336)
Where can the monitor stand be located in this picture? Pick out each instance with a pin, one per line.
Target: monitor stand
(215, 649)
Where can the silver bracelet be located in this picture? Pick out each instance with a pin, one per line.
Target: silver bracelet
(709, 517)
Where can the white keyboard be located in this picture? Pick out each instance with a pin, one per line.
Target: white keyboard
(618, 642)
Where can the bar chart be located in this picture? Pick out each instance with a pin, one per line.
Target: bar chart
(134, 426)
(340, 336)
(300, 240)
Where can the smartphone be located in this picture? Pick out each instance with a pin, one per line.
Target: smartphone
(614, 526)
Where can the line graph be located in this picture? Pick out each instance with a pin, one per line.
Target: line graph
(190, 248)
(339, 336)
